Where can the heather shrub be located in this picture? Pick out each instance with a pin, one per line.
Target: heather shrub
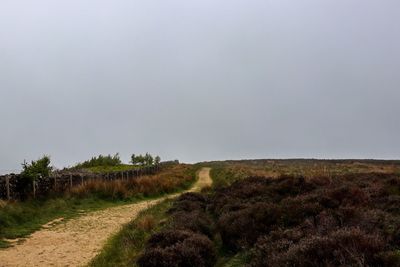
(347, 195)
(242, 228)
(349, 220)
(346, 220)
(391, 204)
(390, 258)
(344, 247)
(291, 186)
(259, 189)
(296, 210)
(178, 248)
(195, 221)
(189, 213)
(189, 202)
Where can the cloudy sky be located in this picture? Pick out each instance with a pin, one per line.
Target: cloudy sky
(199, 80)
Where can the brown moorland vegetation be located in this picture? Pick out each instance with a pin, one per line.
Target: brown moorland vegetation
(347, 218)
(169, 180)
(187, 240)
(352, 220)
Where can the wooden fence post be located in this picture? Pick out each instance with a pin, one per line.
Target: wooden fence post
(55, 183)
(70, 181)
(34, 188)
(81, 179)
(8, 187)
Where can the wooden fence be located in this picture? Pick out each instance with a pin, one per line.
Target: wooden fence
(14, 187)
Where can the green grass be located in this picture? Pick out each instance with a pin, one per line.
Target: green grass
(124, 248)
(238, 260)
(222, 176)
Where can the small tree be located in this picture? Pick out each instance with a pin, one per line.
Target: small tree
(133, 159)
(36, 169)
(31, 172)
(148, 159)
(100, 161)
(140, 160)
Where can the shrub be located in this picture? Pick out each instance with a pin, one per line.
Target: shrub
(189, 213)
(189, 202)
(178, 248)
(243, 227)
(294, 209)
(344, 247)
(36, 169)
(390, 258)
(146, 159)
(100, 161)
(195, 221)
(32, 171)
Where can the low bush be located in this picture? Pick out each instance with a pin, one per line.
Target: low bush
(178, 248)
(350, 220)
(189, 202)
(195, 221)
(100, 160)
(189, 212)
(241, 228)
(344, 247)
(343, 220)
(187, 239)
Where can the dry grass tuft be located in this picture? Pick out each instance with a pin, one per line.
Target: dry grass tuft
(147, 223)
(2, 203)
(167, 181)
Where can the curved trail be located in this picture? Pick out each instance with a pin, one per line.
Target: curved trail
(77, 241)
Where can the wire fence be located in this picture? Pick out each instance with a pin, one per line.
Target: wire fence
(14, 186)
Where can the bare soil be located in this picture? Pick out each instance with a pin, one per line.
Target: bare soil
(75, 242)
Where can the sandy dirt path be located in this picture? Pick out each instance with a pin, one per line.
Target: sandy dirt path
(76, 241)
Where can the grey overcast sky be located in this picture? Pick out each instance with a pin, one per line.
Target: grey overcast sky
(199, 80)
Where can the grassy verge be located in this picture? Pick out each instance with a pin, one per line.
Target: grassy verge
(124, 248)
(232, 260)
(20, 219)
(221, 176)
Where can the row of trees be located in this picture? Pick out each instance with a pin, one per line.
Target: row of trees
(115, 160)
(109, 160)
(146, 159)
(42, 168)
